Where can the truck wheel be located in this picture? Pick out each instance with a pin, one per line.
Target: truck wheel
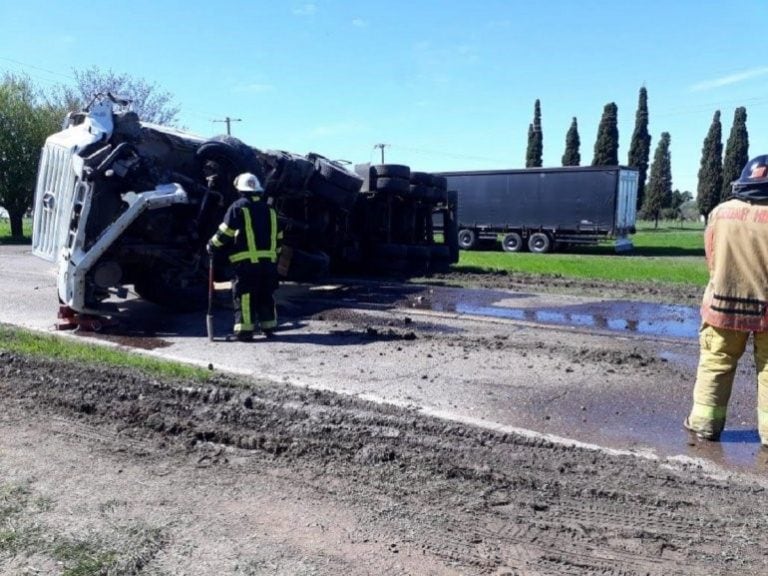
(393, 185)
(339, 176)
(423, 178)
(539, 243)
(392, 171)
(235, 154)
(467, 239)
(512, 242)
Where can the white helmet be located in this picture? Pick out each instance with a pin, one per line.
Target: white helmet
(248, 182)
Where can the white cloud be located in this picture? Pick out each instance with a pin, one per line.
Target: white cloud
(308, 9)
(359, 23)
(734, 78)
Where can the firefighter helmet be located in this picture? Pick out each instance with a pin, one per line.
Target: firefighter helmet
(754, 176)
(248, 183)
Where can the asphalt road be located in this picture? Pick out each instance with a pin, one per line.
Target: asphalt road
(550, 377)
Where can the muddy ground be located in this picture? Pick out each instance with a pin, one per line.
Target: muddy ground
(111, 471)
(668, 293)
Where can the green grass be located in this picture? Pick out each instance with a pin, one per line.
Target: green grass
(664, 254)
(41, 345)
(669, 253)
(5, 232)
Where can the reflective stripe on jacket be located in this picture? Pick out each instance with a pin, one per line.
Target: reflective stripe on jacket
(736, 245)
(251, 226)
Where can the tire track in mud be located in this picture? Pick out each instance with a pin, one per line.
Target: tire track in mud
(483, 502)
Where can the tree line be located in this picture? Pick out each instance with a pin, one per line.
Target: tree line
(29, 114)
(655, 196)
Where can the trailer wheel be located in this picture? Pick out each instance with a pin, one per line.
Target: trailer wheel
(339, 176)
(393, 185)
(512, 242)
(392, 171)
(423, 178)
(539, 243)
(467, 239)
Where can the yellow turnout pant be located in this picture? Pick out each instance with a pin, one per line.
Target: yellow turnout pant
(720, 350)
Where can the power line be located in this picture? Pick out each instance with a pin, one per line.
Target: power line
(27, 65)
(447, 154)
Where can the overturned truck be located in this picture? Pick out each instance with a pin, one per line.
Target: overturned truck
(123, 203)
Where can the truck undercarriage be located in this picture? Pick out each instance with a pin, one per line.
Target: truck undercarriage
(124, 203)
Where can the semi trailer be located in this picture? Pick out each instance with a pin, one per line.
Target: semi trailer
(544, 209)
(123, 205)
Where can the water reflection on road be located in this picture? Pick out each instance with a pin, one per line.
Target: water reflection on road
(615, 315)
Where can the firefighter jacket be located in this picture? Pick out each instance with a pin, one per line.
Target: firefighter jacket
(736, 246)
(249, 230)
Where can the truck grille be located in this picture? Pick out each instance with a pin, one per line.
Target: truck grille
(54, 197)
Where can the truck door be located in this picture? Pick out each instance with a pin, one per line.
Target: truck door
(626, 202)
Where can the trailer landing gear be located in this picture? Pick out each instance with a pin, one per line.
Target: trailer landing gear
(68, 319)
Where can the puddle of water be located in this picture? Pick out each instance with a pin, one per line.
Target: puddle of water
(621, 316)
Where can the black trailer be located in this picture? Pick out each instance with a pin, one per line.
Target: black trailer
(543, 208)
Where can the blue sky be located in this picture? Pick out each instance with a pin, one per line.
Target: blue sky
(446, 85)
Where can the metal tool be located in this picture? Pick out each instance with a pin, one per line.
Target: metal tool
(209, 316)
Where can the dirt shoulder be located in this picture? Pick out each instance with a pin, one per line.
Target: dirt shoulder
(146, 476)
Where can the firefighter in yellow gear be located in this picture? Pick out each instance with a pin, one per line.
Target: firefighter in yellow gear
(249, 230)
(735, 303)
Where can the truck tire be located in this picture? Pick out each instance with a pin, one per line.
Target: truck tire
(437, 195)
(291, 173)
(391, 171)
(423, 178)
(339, 176)
(419, 192)
(467, 239)
(539, 243)
(512, 242)
(233, 152)
(440, 182)
(393, 185)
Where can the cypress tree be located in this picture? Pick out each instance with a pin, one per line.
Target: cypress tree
(607, 142)
(572, 157)
(711, 170)
(659, 191)
(533, 155)
(736, 151)
(640, 147)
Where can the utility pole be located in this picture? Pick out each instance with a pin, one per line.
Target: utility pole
(228, 120)
(381, 147)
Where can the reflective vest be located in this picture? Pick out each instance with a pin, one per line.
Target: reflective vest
(251, 226)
